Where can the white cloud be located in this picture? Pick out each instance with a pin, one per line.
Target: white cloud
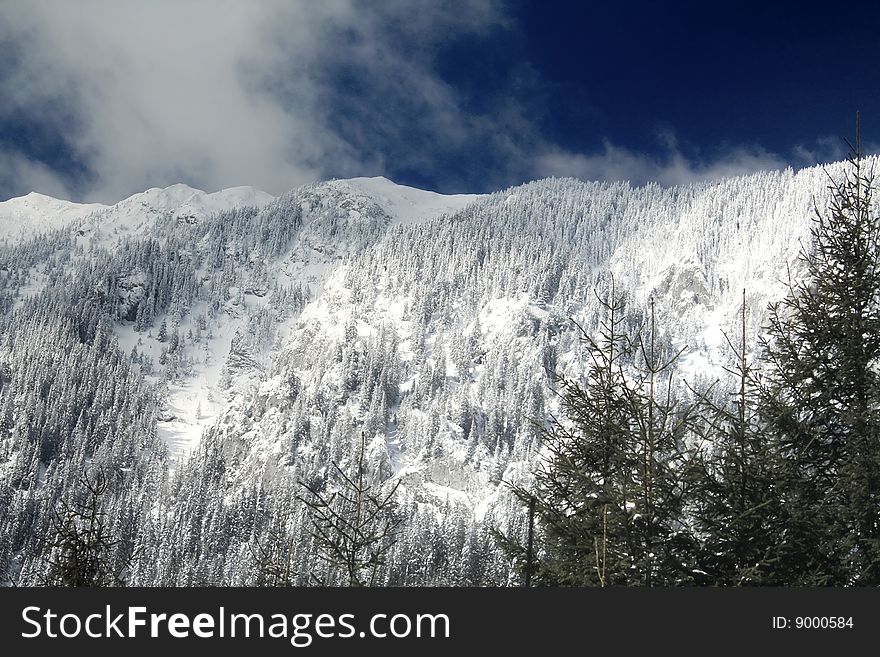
(220, 93)
(615, 163)
(275, 93)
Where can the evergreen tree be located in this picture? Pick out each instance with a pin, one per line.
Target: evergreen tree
(609, 496)
(823, 348)
(273, 556)
(736, 500)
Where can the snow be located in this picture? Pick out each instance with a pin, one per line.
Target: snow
(37, 213)
(185, 201)
(137, 213)
(407, 205)
(500, 313)
(446, 493)
(197, 401)
(483, 506)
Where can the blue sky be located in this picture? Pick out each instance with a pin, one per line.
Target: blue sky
(103, 99)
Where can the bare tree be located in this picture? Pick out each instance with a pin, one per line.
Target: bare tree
(83, 548)
(354, 526)
(274, 557)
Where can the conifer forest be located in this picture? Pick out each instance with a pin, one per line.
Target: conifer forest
(356, 383)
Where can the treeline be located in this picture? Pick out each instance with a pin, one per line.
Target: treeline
(775, 481)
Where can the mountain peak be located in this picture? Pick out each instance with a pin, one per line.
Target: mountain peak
(37, 213)
(408, 204)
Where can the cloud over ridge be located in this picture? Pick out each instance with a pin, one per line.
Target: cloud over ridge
(103, 99)
(210, 93)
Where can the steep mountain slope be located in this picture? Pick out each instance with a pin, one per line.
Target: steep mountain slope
(337, 220)
(191, 401)
(439, 342)
(273, 334)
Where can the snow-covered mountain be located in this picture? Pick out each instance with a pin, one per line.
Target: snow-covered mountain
(270, 334)
(460, 319)
(407, 204)
(35, 213)
(137, 214)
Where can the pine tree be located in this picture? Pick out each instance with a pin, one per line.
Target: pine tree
(581, 487)
(608, 498)
(735, 502)
(823, 348)
(663, 547)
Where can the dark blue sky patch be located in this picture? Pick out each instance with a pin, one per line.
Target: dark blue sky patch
(773, 74)
(40, 133)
